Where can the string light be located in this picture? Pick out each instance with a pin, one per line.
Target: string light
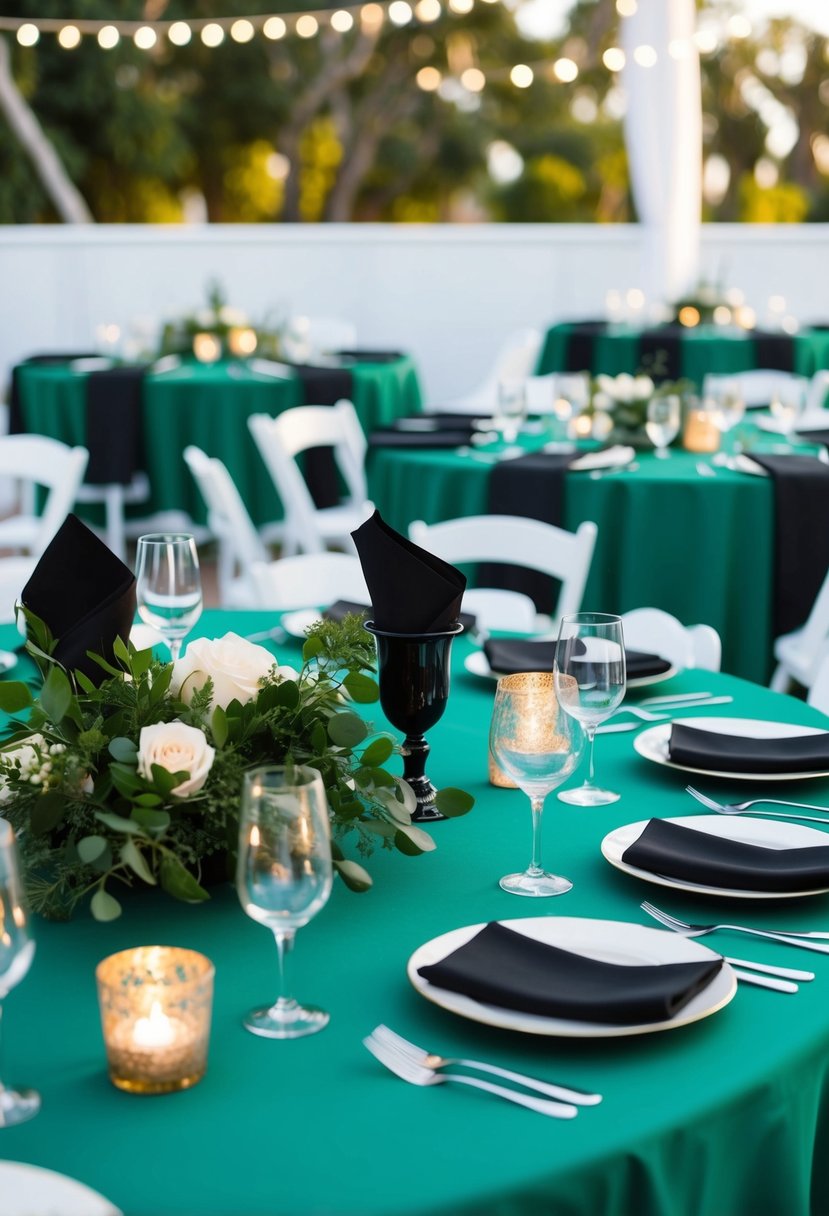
(565, 70)
(522, 76)
(400, 13)
(274, 28)
(108, 37)
(428, 79)
(69, 37)
(145, 38)
(28, 34)
(307, 26)
(614, 59)
(212, 34)
(473, 79)
(179, 33)
(341, 21)
(242, 30)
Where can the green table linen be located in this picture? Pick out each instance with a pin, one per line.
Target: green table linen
(697, 547)
(721, 1117)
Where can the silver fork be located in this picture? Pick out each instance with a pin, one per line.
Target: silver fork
(427, 1059)
(737, 808)
(416, 1074)
(689, 930)
(647, 715)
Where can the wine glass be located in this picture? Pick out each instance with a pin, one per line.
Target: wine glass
(511, 407)
(662, 422)
(729, 407)
(283, 876)
(786, 405)
(589, 670)
(17, 950)
(537, 747)
(169, 585)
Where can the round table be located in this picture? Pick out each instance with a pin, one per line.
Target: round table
(723, 1116)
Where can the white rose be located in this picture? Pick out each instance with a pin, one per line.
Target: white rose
(643, 387)
(624, 387)
(236, 667)
(178, 748)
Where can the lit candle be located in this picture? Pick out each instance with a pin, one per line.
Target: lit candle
(207, 348)
(241, 342)
(155, 1006)
(582, 426)
(701, 432)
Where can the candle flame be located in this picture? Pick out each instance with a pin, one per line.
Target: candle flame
(154, 1031)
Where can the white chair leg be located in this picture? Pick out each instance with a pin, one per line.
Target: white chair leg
(780, 680)
(114, 500)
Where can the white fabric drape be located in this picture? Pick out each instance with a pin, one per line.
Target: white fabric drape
(663, 134)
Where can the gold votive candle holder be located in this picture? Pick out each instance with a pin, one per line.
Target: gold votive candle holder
(701, 432)
(156, 1004)
(536, 730)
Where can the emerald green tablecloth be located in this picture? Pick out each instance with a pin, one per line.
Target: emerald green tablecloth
(726, 1117)
(207, 405)
(702, 350)
(697, 547)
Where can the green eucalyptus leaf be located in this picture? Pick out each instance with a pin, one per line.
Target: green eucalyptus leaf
(361, 688)
(179, 882)
(121, 651)
(124, 750)
(378, 827)
(47, 812)
(56, 694)
(148, 800)
(397, 809)
(311, 648)
(453, 802)
(132, 856)
(104, 906)
(90, 848)
(118, 823)
(353, 875)
(154, 821)
(14, 696)
(347, 730)
(378, 752)
(406, 794)
(85, 683)
(218, 724)
(165, 781)
(413, 840)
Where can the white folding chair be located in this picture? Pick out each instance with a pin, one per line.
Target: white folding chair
(36, 460)
(304, 337)
(757, 386)
(515, 360)
(14, 575)
(517, 541)
(309, 528)
(818, 694)
(800, 653)
(240, 544)
(657, 632)
(309, 580)
(817, 397)
(115, 498)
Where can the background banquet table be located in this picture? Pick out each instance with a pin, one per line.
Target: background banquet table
(207, 405)
(697, 547)
(718, 1117)
(599, 346)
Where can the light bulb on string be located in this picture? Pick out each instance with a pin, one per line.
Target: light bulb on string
(108, 37)
(274, 28)
(179, 33)
(212, 34)
(341, 21)
(307, 26)
(145, 38)
(28, 34)
(242, 30)
(69, 37)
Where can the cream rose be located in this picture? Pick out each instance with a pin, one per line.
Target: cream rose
(236, 667)
(178, 748)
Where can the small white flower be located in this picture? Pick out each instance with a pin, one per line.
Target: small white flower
(236, 667)
(178, 748)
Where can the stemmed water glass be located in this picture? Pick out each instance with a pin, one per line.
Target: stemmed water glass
(786, 405)
(728, 408)
(590, 680)
(662, 422)
(511, 408)
(537, 747)
(283, 877)
(17, 950)
(168, 585)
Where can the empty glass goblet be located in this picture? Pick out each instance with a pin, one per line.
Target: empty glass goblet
(538, 747)
(511, 408)
(590, 679)
(283, 877)
(662, 422)
(168, 585)
(16, 953)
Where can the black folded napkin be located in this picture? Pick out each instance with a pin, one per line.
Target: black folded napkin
(507, 656)
(712, 861)
(114, 432)
(85, 594)
(412, 591)
(504, 968)
(390, 437)
(705, 749)
(437, 422)
(801, 535)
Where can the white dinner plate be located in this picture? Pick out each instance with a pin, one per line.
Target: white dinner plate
(768, 833)
(653, 744)
(28, 1190)
(8, 660)
(295, 623)
(609, 941)
(478, 665)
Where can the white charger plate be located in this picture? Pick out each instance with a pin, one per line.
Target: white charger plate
(29, 1190)
(478, 665)
(768, 833)
(607, 940)
(653, 744)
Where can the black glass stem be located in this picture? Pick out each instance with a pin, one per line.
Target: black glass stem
(413, 674)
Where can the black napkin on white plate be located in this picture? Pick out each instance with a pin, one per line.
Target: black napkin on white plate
(801, 535)
(85, 594)
(507, 656)
(695, 747)
(714, 861)
(504, 968)
(412, 590)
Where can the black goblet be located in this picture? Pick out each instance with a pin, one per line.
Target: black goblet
(413, 673)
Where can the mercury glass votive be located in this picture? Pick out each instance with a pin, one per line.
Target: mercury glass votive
(155, 1004)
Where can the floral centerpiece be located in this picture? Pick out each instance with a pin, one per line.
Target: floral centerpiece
(218, 331)
(618, 405)
(136, 780)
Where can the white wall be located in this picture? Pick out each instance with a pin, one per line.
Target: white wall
(447, 294)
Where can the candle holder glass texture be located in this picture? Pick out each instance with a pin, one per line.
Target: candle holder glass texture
(156, 1004)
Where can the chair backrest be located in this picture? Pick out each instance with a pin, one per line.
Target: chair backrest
(516, 541)
(280, 440)
(818, 694)
(309, 580)
(14, 575)
(228, 516)
(817, 397)
(515, 360)
(756, 386)
(657, 632)
(42, 461)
